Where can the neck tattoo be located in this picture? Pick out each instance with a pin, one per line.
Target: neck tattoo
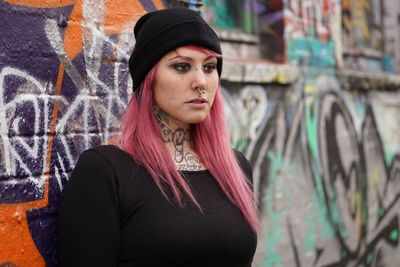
(177, 138)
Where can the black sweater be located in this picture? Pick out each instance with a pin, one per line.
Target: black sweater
(113, 214)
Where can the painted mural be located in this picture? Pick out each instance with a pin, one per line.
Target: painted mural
(325, 151)
(309, 32)
(326, 172)
(63, 86)
(363, 35)
(263, 18)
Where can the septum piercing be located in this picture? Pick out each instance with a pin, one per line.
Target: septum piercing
(200, 90)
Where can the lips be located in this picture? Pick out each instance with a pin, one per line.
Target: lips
(198, 101)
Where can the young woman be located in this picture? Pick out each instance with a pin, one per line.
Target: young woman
(173, 193)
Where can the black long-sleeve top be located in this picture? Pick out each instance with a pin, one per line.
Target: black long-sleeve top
(113, 214)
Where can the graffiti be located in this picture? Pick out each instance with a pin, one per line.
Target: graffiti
(363, 23)
(390, 39)
(259, 73)
(359, 14)
(357, 81)
(261, 18)
(326, 182)
(363, 35)
(191, 4)
(326, 163)
(234, 14)
(310, 18)
(270, 18)
(308, 32)
(47, 118)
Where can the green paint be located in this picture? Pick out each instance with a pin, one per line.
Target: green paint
(362, 109)
(369, 258)
(311, 52)
(248, 21)
(337, 218)
(388, 154)
(381, 212)
(394, 235)
(231, 15)
(311, 125)
(343, 254)
(240, 145)
(275, 218)
(311, 74)
(319, 226)
(309, 243)
(326, 229)
(388, 158)
(221, 16)
(335, 209)
(272, 257)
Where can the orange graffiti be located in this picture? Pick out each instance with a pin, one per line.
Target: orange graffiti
(118, 14)
(346, 5)
(16, 244)
(42, 3)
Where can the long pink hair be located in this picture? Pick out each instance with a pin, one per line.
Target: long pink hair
(141, 138)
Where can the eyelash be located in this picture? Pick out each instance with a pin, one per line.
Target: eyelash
(185, 67)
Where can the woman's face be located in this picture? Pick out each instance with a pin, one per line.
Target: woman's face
(179, 75)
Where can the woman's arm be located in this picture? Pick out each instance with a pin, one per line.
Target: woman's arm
(88, 220)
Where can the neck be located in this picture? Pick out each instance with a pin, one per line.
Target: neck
(177, 138)
(175, 133)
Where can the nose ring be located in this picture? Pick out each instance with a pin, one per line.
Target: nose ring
(200, 90)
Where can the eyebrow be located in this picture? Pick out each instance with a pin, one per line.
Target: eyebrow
(188, 58)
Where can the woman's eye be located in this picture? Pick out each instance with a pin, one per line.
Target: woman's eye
(209, 67)
(181, 67)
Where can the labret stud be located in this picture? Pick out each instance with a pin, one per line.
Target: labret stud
(201, 90)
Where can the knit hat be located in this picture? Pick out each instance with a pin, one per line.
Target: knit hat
(159, 32)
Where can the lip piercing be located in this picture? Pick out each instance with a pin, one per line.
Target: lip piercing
(201, 90)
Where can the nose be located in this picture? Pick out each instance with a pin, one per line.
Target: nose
(199, 79)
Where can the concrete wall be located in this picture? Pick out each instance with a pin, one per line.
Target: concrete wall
(307, 101)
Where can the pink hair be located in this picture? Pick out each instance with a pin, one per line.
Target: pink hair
(141, 138)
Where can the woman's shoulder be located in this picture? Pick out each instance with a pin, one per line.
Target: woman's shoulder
(110, 154)
(109, 151)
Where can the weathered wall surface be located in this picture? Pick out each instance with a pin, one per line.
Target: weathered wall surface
(326, 169)
(321, 130)
(63, 85)
(322, 135)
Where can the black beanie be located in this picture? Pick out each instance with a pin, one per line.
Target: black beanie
(159, 32)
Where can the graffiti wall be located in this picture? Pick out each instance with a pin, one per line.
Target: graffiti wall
(391, 37)
(324, 145)
(324, 149)
(310, 32)
(326, 168)
(264, 19)
(63, 86)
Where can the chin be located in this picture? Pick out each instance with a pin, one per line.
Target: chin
(195, 120)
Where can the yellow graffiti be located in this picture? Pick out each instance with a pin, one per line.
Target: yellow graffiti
(360, 8)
